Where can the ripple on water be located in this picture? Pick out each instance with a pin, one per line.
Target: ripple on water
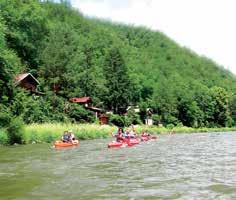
(181, 166)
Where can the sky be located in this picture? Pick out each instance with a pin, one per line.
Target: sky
(207, 27)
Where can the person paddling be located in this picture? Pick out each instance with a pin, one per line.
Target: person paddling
(71, 135)
(72, 138)
(65, 137)
(119, 135)
(145, 133)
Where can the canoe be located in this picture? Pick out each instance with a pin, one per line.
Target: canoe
(115, 144)
(133, 141)
(61, 144)
(125, 143)
(146, 138)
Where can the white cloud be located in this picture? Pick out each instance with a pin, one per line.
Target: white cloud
(205, 26)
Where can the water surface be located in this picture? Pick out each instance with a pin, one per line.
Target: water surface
(181, 166)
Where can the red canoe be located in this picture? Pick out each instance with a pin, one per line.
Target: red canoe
(146, 138)
(133, 141)
(115, 144)
(125, 143)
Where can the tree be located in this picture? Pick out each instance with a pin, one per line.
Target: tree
(233, 108)
(10, 65)
(26, 27)
(58, 49)
(118, 83)
(221, 105)
(190, 114)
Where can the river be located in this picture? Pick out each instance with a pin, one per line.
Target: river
(180, 166)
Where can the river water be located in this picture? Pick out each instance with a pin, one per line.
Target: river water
(180, 166)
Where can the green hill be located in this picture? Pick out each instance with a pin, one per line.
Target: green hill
(116, 65)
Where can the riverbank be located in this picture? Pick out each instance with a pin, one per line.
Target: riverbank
(49, 132)
(39, 133)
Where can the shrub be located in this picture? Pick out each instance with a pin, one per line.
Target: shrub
(132, 118)
(3, 137)
(15, 131)
(170, 126)
(117, 120)
(156, 119)
(5, 117)
(80, 114)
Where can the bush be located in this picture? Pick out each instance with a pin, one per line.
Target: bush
(15, 131)
(156, 119)
(132, 118)
(117, 120)
(5, 117)
(3, 137)
(170, 126)
(80, 114)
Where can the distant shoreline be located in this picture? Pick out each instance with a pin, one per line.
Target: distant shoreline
(47, 133)
(50, 132)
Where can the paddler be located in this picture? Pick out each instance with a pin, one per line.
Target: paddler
(65, 137)
(119, 135)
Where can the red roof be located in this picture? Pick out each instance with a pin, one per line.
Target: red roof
(81, 100)
(21, 77)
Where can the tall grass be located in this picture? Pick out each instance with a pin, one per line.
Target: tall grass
(50, 132)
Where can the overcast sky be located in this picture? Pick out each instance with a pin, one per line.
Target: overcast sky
(208, 27)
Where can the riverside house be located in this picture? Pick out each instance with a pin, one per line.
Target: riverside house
(87, 103)
(28, 82)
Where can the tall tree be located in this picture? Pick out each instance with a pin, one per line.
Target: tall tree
(118, 82)
(221, 102)
(9, 66)
(26, 27)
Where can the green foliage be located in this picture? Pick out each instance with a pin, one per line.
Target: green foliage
(80, 114)
(116, 65)
(49, 132)
(156, 119)
(117, 120)
(118, 82)
(15, 131)
(26, 26)
(221, 106)
(190, 114)
(11, 128)
(232, 103)
(3, 137)
(5, 116)
(132, 118)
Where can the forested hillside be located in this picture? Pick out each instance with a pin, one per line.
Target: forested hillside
(114, 64)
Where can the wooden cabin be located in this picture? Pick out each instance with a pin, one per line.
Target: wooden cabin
(97, 111)
(86, 101)
(27, 81)
(103, 119)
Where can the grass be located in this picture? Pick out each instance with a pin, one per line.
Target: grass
(50, 132)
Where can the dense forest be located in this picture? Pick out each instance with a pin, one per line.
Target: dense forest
(114, 64)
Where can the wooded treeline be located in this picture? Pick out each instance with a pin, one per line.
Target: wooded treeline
(114, 64)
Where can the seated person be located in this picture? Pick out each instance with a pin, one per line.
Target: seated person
(119, 135)
(126, 134)
(65, 137)
(145, 133)
(133, 134)
(71, 135)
